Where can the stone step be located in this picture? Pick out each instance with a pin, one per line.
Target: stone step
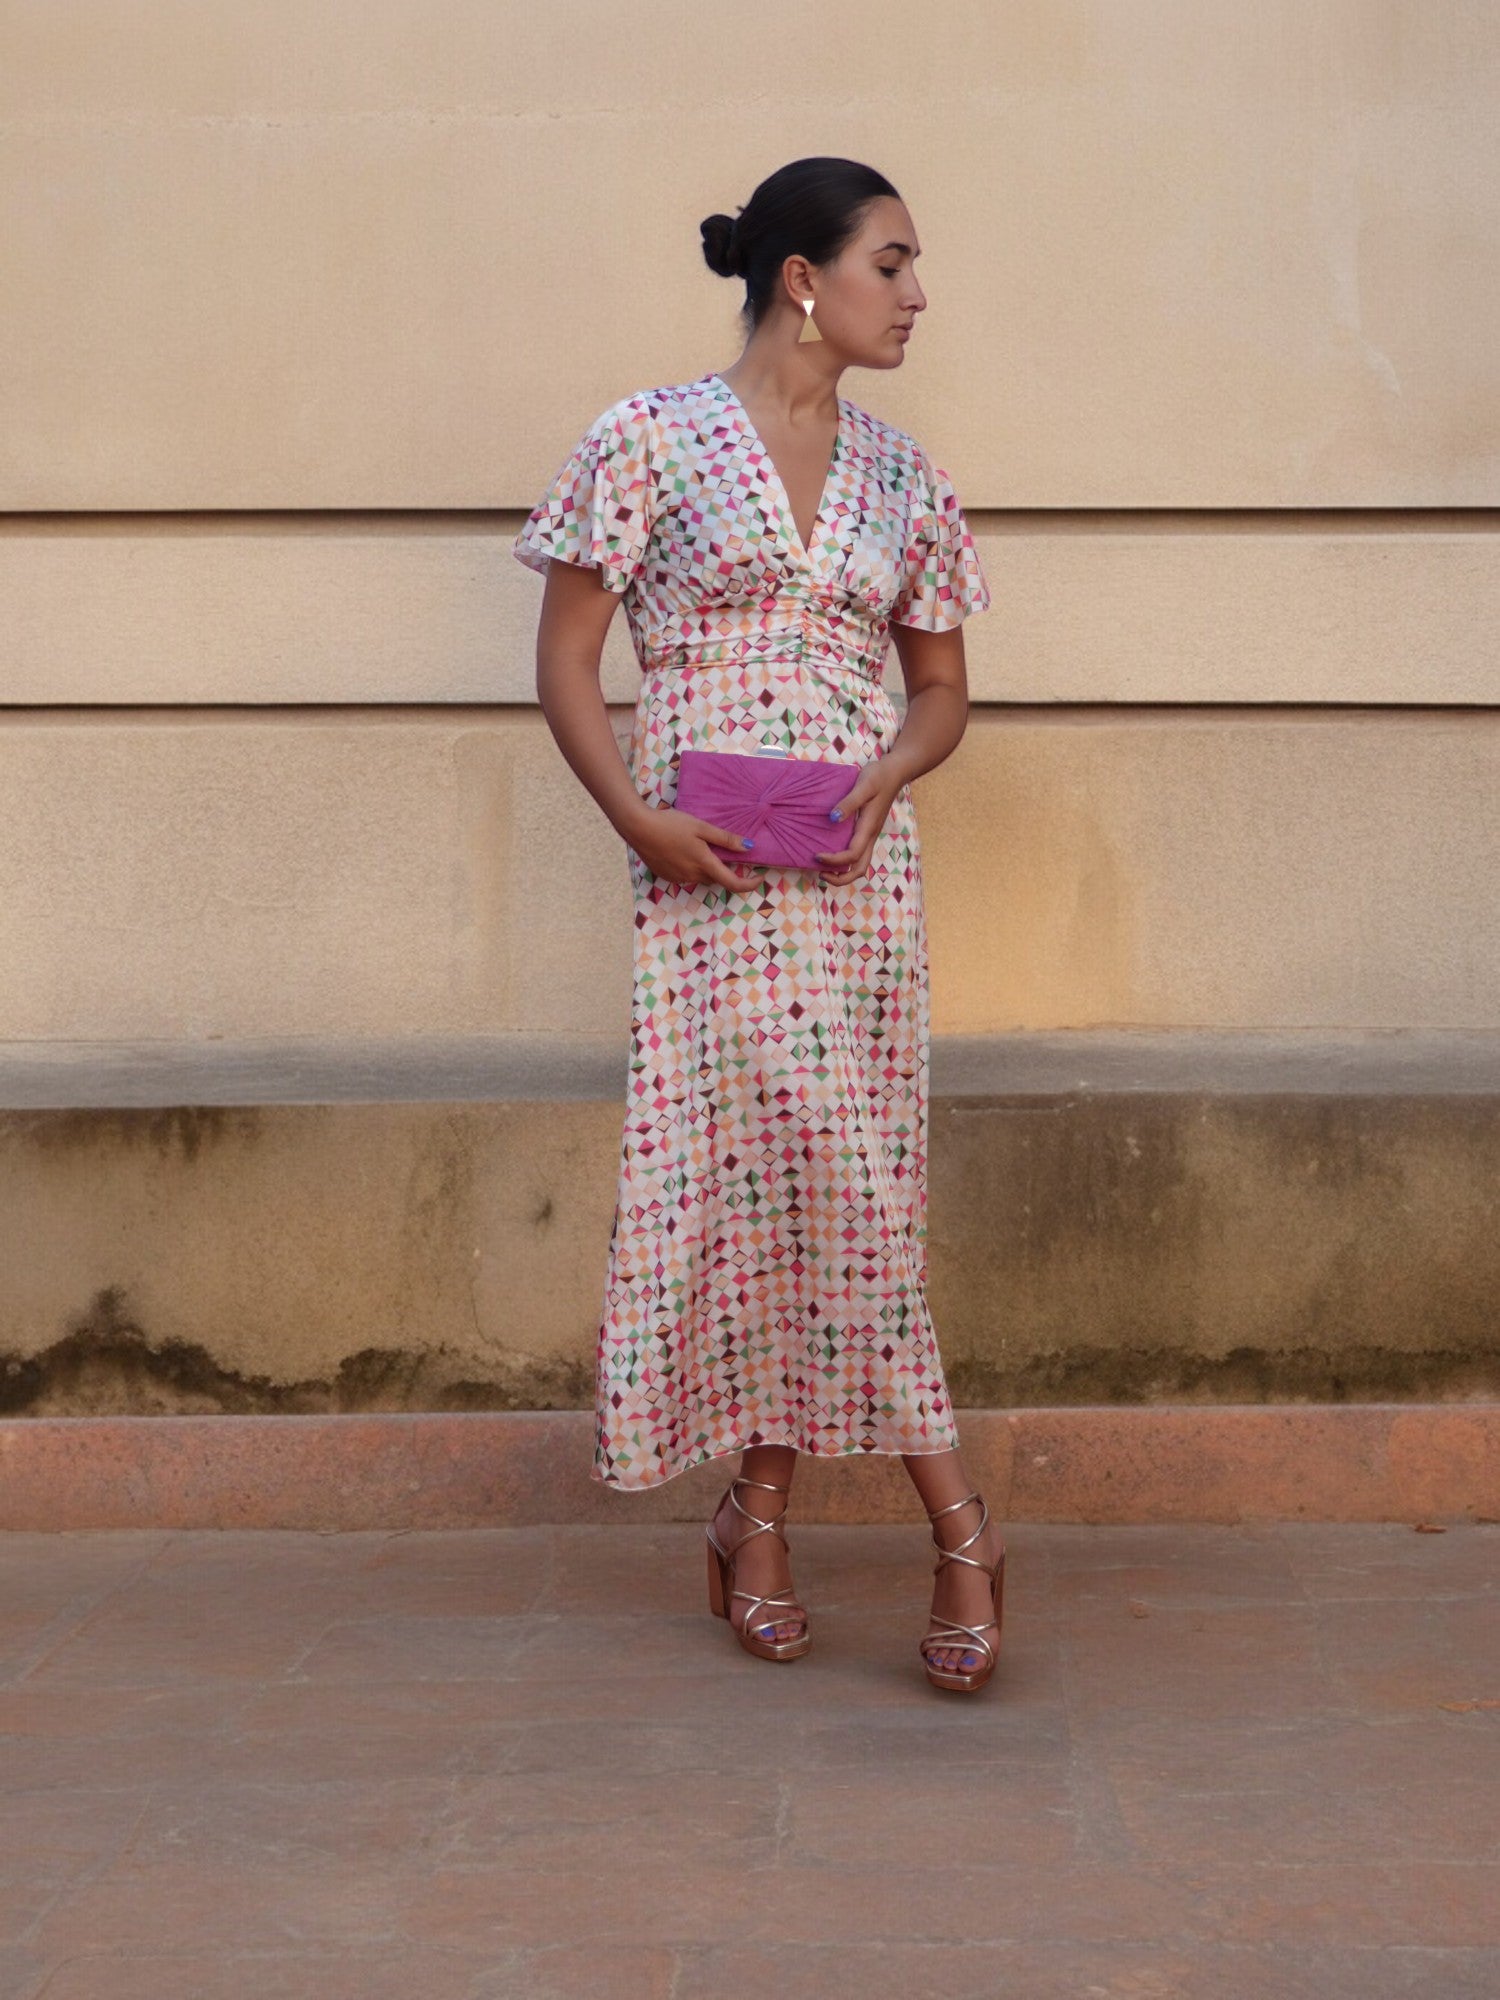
(1426, 1466)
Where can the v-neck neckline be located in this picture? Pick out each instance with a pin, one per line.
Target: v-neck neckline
(784, 499)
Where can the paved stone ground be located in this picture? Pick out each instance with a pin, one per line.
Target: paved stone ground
(1245, 1763)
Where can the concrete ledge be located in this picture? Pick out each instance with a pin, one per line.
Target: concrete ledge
(1353, 1462)
(312, 1069)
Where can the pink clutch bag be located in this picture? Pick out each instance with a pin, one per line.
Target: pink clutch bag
(781, 802)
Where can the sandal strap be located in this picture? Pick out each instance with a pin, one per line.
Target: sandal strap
(956, 1555)
(775, 1597)
(968, 1638)
(759, 1527)
(957, 1637)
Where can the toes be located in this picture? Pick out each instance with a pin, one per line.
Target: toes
(775, 1635)
(782, 1629)
(950, 1659)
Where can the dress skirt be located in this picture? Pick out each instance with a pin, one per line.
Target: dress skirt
(766, 1278)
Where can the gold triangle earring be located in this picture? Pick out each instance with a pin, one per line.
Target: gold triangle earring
(807, 330)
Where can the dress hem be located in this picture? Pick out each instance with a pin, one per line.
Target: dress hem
(602, 1478)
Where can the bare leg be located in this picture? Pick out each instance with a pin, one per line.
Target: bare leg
(764, 1565)
(960, 1594)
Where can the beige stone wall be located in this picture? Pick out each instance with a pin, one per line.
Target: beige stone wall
(303, 308)
(426, 872)
(279, 608)
(1180, 253)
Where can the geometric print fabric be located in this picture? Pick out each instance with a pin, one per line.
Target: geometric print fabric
(766, 1278)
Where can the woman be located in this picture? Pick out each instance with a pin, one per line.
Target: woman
(766, 1290)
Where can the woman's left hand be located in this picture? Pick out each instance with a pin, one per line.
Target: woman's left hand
(863, 810)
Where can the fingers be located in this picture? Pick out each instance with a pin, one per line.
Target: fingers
(836, 866)
(861, 825)
(722, 871)
(843, 864)
(714, 870)
(730, 880)
(721, 836)
(719, 870)
(846, 868)
(841, 856)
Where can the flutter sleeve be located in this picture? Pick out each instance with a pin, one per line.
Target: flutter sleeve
(598, 510)
(943, 583)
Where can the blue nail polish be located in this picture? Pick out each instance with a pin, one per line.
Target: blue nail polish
(833, 812)
(749, 843)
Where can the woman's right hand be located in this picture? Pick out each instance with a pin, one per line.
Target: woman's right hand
(675, 845)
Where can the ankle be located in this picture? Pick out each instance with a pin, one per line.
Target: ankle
(737, 1521)
(757, 1497)
(959, 1522)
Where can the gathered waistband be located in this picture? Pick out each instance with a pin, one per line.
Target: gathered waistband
(867, 659)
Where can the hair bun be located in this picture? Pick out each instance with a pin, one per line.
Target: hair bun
(721, 244)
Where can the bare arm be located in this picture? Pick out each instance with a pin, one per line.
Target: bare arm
(937, 700)
(937, 713)
(576, 610)
(575, 617)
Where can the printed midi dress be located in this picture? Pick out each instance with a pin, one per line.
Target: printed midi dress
(767, 1266)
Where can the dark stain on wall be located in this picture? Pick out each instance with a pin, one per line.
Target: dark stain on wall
(176, 1131)
(106, 1364)
(1133, 1375)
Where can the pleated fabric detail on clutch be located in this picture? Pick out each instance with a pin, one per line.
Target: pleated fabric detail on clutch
(782, 803)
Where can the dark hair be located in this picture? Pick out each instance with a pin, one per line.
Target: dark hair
(809, 208)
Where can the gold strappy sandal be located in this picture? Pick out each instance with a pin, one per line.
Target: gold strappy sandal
(721, 1563)
(969, 1637)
